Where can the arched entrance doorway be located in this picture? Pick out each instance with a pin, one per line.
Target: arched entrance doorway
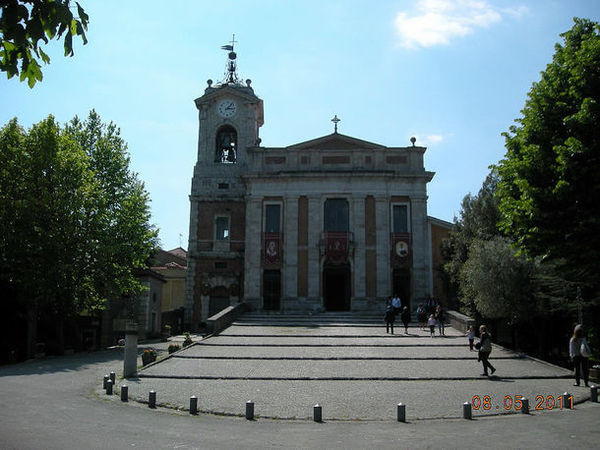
(336, 287)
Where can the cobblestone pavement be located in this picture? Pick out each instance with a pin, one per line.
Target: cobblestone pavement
(355, 372)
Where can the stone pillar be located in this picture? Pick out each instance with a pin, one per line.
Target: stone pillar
(252, 254)
(420, 259)
(130, 354)
(382, 229)
(315, 228)
(358, 227)
(290, 248)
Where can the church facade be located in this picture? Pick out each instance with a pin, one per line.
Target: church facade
(335, 223)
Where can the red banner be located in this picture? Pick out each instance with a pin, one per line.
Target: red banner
(337, 245)
(401, 247)
(272, 249)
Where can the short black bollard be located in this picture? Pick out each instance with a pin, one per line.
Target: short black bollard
(250, 410)
(109, 387)
(568, 400)
(525, 405)
(113, 378)
(152, 399)
(401, 412)
(594, 394)
(467, 414)
(124, 393)
(106, 378)
(317, 413)
(193, 404)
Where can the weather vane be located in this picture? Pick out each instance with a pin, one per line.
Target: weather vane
(230, 73)
(335, 121)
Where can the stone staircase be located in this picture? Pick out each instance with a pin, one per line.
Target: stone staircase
(330, 319)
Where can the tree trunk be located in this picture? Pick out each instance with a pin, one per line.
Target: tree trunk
(31, 331)
(60, 335)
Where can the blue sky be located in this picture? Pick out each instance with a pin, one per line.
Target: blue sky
(455, 74)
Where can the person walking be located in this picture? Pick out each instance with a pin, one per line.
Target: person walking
(396, 304)
(389, 318)
(431, 323)
(471, 337)
(485, 348)
(579, 351)
(440, 316)
(421, 316)
(405, 317)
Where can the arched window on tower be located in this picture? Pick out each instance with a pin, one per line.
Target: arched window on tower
(226, 145)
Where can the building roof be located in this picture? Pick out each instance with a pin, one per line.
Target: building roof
(179, 252)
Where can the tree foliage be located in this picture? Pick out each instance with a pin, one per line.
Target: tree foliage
(496, 280)
(549, 188)
(24, 23)
(477, 221)
(75, 219)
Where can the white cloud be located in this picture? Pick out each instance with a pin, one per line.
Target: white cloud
(428, 140)
(437, 22)
(433, 139)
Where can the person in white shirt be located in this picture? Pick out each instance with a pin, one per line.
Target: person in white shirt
(579, 352)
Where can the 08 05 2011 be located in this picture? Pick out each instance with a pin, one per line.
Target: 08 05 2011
(515, 402)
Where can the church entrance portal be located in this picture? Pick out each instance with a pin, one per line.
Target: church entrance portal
(271, 290)
(336, 287)
(401, 283)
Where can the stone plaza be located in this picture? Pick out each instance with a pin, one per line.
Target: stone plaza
(350, 366)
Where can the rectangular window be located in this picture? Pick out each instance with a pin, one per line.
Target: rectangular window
(336, 215)
(222, 228)
(273, 218)
(400, 218)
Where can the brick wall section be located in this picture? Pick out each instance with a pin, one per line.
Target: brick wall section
(438, 234)
(302, 246)
(206, 222)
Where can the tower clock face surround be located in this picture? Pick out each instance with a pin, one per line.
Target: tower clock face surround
(227, 108)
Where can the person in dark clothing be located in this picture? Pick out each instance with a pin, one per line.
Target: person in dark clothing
(440, 316)
(405, 317)
(485, 348)
(389, 318)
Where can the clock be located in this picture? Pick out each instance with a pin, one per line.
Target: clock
(227, 108)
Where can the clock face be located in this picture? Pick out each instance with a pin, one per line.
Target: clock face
(227, 108)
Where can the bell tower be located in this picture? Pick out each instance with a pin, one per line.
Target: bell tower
(229, 116)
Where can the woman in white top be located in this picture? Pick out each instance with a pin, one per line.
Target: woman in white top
(579, 360)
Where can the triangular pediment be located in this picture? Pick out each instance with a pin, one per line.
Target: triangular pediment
(227, 90)
(335, 141)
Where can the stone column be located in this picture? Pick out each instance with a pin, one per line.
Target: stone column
(315, 228)
(252, 263)
(421, 265)
(130, 354)
(358, 227)
(382, 229)
(290, 249)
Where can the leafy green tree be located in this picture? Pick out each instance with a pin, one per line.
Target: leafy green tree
(24, 23)
(75, 219)
(549, 188)
(496, 279)
(477, 221)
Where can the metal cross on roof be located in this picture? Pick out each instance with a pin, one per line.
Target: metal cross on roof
(335, 121)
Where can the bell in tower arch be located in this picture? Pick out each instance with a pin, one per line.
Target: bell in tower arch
(226, 145)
